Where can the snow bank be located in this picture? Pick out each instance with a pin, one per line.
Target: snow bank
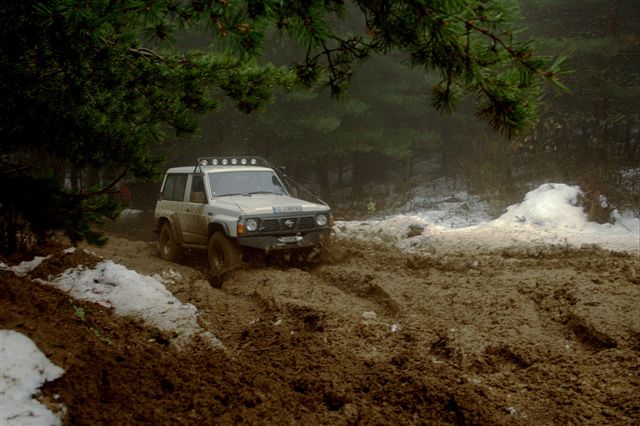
(134, 295)
(549, 214)
(439, 203)
(551, 206)
(127, 213)
(24, 370)
(25, 267)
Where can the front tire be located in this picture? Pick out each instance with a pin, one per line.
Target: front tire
(224, 255)
(320, 252)
(169, 248)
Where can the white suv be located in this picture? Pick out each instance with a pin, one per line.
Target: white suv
(227, 204)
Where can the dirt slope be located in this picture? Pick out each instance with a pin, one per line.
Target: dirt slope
(541, 335)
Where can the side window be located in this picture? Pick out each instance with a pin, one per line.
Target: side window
(174, 187)
(197, 194)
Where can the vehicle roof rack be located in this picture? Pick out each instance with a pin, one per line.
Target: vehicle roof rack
(249, 160)
(241, 160)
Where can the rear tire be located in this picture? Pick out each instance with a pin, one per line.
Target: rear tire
(169, 248)
(224, 255)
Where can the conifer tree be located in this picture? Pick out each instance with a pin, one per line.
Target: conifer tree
(96, 83)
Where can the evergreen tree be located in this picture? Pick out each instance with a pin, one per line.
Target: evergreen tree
(93, 83)
(586, 136)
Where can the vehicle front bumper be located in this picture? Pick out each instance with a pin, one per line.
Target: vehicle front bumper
(286, 241)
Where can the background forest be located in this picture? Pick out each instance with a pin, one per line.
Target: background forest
(361, 101)
(370, 143)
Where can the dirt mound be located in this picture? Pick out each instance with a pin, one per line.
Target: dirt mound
(373, 336)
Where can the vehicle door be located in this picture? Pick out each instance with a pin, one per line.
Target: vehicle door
(171, 201)
(193, 217)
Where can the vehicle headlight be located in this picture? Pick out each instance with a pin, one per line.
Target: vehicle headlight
(321, 220)
(252, 225)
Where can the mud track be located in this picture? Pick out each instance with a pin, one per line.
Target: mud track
(543, 335)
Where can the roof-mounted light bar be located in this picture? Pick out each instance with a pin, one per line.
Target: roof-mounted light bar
(233, 161)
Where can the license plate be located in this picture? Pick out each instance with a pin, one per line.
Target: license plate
(286, 209)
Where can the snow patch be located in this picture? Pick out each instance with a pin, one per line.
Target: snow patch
(134, 295)
(168, 277)
(125, 213)
(550, 205)
(549, 214)
(24, 369)
(439, 203)
(27, 266)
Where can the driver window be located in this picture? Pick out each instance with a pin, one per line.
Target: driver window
(197, 194)
(276, 183)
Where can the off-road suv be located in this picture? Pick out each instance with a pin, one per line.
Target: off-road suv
(228, 205)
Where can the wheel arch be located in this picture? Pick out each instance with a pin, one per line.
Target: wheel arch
(217, 227)
(175, 227)
(162, 220)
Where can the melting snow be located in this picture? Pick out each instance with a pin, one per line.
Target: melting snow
(548, 215)
(134, 295)
(23, 370)
(25, 267)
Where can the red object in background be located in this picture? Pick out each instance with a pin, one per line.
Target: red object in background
(125, 192)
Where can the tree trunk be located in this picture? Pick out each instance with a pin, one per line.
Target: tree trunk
(322, 173)
(93, 178)
(360, 166)
(75, 179)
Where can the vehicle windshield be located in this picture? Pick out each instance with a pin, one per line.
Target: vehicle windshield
(245, 183)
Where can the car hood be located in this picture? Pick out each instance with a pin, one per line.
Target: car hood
(262, 204)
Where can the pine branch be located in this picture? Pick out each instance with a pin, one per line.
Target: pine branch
(107, 189)
(146, 53)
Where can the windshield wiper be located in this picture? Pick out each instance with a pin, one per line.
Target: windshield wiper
(231, 194)
(264, 192)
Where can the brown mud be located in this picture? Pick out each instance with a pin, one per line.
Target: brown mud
(372, 336)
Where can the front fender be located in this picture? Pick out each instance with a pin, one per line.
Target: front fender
(227, 223)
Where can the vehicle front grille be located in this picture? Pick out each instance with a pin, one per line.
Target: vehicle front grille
(306, 222)
(269, 225)
(286, 224)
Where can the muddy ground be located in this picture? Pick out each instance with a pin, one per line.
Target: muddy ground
(544, 335)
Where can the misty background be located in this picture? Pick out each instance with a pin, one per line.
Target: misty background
(382, 138)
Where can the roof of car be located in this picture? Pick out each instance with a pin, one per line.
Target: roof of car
(216, 169)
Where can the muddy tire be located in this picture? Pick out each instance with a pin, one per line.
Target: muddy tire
(320, 253)
(224, 255)
(169, 248)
